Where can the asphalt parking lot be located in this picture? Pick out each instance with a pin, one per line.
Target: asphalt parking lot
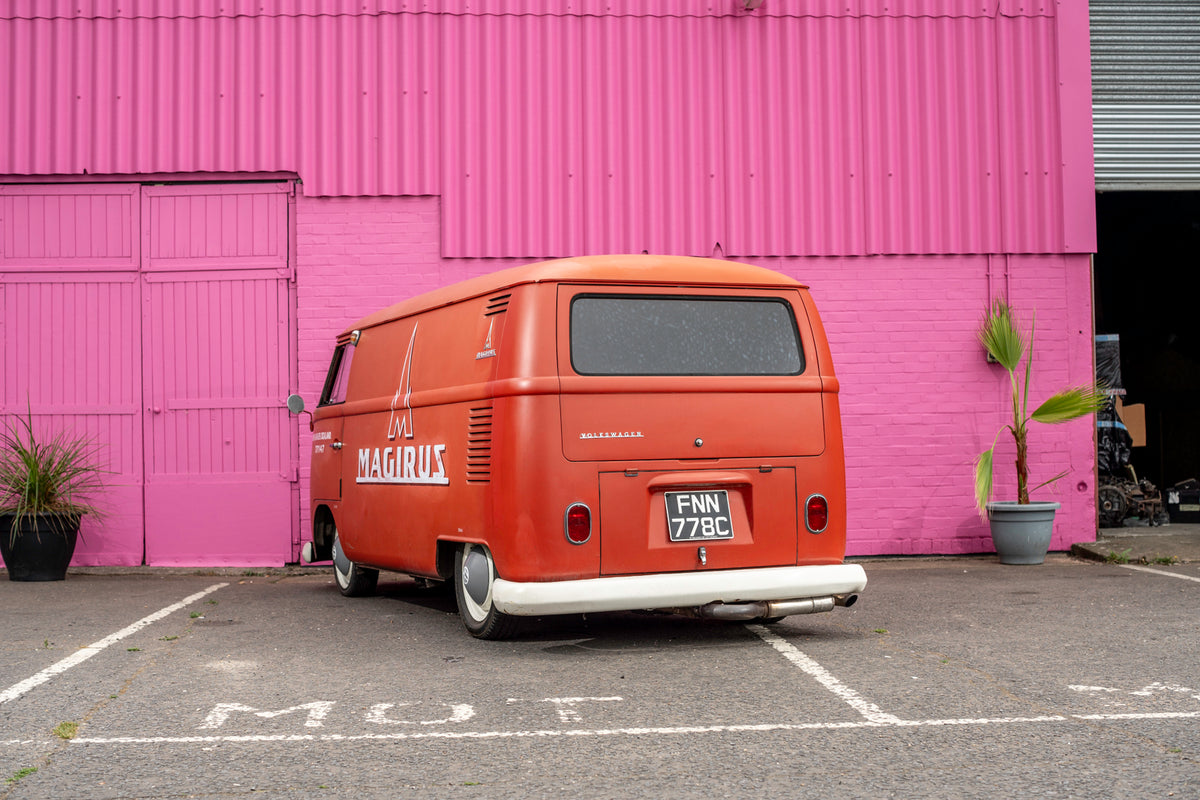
(950, 678)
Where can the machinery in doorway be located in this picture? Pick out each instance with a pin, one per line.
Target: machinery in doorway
(1122, 499)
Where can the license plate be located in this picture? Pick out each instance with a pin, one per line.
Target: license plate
(693, 516)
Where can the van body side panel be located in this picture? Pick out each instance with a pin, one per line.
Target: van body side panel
(394, 525)
(420, 389)
(819, 341)
(831, 483)
(531, 491)
(327, 450)
(532, 485)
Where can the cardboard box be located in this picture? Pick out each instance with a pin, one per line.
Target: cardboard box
(1134, 418)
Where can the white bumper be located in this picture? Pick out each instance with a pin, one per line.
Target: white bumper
(676, 589)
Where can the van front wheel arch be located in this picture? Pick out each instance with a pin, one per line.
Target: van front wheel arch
(474, 575)
(353, 580)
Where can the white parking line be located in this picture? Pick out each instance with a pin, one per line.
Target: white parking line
(84, 653)
(872, 712)
(604, 732)
(1160, 572)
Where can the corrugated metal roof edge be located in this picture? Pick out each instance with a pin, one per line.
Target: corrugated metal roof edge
(646, 270)
(402, 9)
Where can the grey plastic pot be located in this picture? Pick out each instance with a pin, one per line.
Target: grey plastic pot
(1021, 533)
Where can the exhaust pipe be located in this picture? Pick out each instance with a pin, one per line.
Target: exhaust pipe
(810, 605)
(767, 609)
(730, 612)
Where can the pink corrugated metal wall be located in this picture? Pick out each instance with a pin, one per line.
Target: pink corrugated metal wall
(158, 320)
(849, 128)
(216, 361)
(68, 317)
(134, 9)
(578, 136)
(349, 102)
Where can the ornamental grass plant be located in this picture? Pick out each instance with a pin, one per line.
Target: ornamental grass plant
(1004, 341)
(53, 479)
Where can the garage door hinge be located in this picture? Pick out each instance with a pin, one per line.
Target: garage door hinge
(295, 474)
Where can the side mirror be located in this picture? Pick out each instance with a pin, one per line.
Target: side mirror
(295, 405)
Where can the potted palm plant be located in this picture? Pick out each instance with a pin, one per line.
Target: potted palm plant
(1021, 529)
(45, 489)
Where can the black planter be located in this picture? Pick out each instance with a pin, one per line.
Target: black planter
(42, 549)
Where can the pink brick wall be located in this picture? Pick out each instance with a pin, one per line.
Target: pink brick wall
(354, 256)
(918, 399)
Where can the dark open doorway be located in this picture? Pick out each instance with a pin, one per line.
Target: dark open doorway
(1148, 292)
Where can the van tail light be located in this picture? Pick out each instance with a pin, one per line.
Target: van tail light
(816, 514)
(578, 523)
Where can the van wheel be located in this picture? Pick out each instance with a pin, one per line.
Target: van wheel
(352, 580)
(474, 574)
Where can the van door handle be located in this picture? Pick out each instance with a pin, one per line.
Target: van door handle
(336, 445)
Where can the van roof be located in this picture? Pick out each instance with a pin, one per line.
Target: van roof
(650, 270)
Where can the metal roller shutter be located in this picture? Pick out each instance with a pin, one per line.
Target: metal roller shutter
(1146, 94)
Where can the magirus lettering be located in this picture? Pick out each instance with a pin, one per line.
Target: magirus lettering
(405, 464)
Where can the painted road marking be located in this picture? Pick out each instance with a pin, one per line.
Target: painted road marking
(604, 732)
(566, 706)
(874, 716)
(317, 711)
(1160, 572)
(1146, 691)
(84, 653)
(872, 712)
(459, 712)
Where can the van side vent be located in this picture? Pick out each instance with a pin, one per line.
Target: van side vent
(497, 305)
(479, 445)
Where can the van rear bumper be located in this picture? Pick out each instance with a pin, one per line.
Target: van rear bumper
(676, 589)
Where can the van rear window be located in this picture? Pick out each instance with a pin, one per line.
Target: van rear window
(662, 335)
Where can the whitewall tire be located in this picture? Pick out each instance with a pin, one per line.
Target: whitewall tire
(474, 577)
(352, 580)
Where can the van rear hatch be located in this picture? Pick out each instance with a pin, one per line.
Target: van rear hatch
(716, 383)
(688, 376)
(658, 521)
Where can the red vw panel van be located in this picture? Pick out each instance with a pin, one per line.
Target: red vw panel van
(590, 434)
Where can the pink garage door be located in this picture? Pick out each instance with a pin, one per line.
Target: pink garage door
(193, 353)
(70, 337)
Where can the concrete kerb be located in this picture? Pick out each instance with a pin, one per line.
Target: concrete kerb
(1167, 544)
